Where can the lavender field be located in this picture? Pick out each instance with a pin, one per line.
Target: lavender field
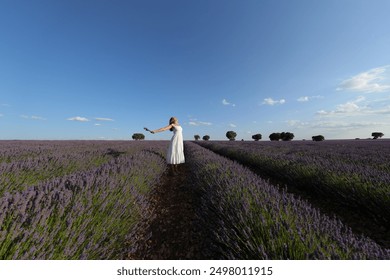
(353, 175)
(97, 199)
(73, 200)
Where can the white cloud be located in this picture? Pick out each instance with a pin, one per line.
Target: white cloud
(270, 101)
(303, 99)
(104, 119)
(195, 122)
(38, 118)
(385, 110)
(78, 119)
(97, 124)
(354, 108)
(232, 125)
(227, 103)
(308, 98)
(349, 108)
(322, 112)
(346, 125)
(294, 122)
(373, 80)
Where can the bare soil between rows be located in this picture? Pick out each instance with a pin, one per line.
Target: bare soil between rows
(175, 231)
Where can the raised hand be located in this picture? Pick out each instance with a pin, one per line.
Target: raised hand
(147, 129)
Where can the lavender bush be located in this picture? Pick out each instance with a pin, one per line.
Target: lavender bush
(252, 219)
(82, 215)
(83, 199)
(356, 173)
(26, 163)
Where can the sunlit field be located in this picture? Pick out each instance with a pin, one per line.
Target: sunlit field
(254, 200)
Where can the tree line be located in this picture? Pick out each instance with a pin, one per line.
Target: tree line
(275, 136)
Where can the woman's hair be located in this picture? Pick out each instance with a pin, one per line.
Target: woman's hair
(171, 121)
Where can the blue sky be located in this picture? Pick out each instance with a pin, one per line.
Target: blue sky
(102, 69)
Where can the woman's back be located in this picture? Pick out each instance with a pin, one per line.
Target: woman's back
(176, 149)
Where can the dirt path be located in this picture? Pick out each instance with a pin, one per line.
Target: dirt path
(175, 231)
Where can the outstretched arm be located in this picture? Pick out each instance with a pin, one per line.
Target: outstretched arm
(162, 129)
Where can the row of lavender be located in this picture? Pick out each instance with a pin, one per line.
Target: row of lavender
(355, 173)
(86, 212)
(251, 219)
(25, 163)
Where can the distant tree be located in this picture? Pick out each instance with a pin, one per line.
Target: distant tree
(206, 138)
(286, 136)
(256, 137)
(318, 138)
(377, 135)
(197, 137)
(274, 136)
(231, 135)
(138, 136)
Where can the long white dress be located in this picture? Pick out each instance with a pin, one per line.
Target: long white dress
(175, 153)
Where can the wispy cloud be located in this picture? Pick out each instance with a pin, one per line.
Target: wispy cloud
(296, 123)
(355, 108)
(346, 125)
(227, 103)
(270, 101)
(338, 128)
(104, 119)
(349, 108)
(37, 118)
(232, 125)
(385, 111)
(374, 80)
(78, 119)
(303, 99)
(308, 98)
(195, 122)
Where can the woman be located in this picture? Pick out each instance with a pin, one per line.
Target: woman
(175, 154)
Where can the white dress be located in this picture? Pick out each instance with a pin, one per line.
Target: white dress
(175, 153)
